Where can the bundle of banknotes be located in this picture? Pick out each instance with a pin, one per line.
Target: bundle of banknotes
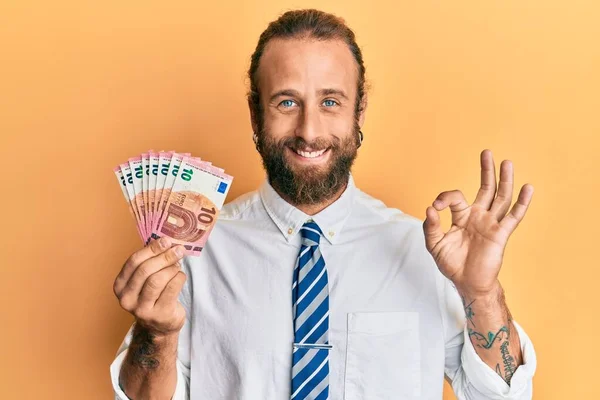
(175, 195)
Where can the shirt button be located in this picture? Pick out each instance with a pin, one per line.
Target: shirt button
(331, 233)
(290, 231)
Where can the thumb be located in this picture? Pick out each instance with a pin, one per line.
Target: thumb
(432, 228)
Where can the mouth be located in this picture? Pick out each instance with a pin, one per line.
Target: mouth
(310, 156)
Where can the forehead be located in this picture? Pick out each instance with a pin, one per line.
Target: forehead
(307, 65)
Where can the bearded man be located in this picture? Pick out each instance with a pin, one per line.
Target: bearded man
(311, 289)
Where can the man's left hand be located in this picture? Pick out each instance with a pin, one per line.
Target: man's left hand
(470, 253)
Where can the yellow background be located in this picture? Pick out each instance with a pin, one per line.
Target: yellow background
(84, 85)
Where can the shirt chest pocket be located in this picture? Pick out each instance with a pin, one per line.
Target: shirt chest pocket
(383, 357)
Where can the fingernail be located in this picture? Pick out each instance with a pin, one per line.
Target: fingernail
(179, 251)
(164, 243)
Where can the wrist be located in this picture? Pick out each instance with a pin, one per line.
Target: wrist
(491, 303)
(154, 335)
(489, 295)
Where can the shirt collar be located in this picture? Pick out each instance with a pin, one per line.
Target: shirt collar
(289, 219)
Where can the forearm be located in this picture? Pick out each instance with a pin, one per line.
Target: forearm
(149, 370)
(492, 332)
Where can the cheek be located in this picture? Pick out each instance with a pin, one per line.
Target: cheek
(280, 125)
(341, 127)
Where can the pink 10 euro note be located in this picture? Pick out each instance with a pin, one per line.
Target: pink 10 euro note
(193, 205)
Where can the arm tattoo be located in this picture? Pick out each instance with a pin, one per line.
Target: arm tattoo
(469, 310)
(491, 338)
(510, 365)
(144, 349)
(502, 336)
(498, 371)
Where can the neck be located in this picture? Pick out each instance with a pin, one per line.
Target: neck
(312, 209)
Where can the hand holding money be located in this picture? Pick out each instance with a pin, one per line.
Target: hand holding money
(173, 195)
(148, 287)
(175, 199)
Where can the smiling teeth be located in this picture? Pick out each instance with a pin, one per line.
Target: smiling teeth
(311, 154)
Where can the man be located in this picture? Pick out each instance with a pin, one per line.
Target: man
(309, 288)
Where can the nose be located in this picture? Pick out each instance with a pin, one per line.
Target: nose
(309, 124)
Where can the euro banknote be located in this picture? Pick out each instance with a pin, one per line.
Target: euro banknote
(175, 195)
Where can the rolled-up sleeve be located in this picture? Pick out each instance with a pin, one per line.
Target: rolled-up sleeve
(471, 378)
(183, 373)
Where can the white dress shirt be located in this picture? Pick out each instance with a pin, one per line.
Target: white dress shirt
(397, 325)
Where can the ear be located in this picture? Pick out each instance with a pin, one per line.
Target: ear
(253, 119)
(363, 113)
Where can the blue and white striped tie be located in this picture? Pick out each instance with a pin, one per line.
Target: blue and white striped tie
(310, 304)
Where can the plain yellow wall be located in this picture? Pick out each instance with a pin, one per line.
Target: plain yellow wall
(84, 85)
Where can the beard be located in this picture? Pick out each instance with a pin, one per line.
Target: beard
(308, 185)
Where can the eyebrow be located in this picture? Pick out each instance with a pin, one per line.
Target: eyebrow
(321, 92)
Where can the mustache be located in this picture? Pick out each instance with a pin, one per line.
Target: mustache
(299, 144)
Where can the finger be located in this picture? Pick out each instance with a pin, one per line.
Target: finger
(432, 228)
(457, 202)
(503, 200)
(154, 286)
(171, 293)
(153, 249)
(136, 282)
(510, 222)
(487, 191)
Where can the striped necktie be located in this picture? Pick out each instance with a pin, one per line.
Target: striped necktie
(310, 307)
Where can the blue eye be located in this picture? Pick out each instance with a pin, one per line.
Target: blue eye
(329, 103)
(287, 103)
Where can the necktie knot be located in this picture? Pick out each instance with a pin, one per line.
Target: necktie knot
(311, 234)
